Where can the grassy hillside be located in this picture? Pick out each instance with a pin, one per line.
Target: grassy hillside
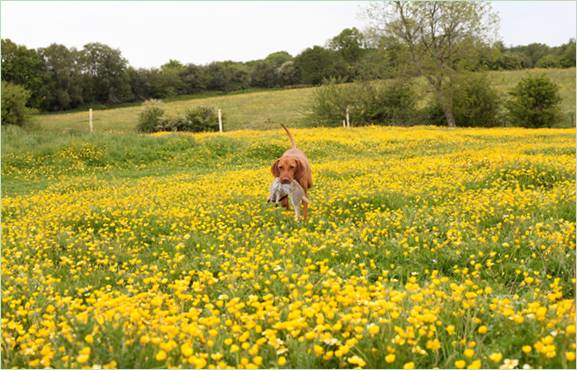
(426, 247)
(266, 109)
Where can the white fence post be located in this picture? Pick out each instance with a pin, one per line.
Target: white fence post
(219, 120)
(344, 123)
(347, 116)
(90, 120)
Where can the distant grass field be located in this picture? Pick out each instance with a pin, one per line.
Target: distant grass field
(426, 247)
(266, 109)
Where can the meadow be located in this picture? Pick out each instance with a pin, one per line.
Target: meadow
(266, 109)
(426, 247)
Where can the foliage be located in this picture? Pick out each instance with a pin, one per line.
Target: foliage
(151, 117)
(14, 99)
(64, 76)
(61, 78)
(439, 39)
(476, 103)
(316, 64)
(197, 119)
(534, 102)
(25, 67)
(376, 103)
(267, 109)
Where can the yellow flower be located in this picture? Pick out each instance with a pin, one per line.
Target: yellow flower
(373, 329)
(186, 349)
(281, 361)
(450, 329)
(570, 356)
(526, 349)
(496, 357)
(356, 360)
(161, 355)
(434, 344)
(475, 365)
(483, 329)
(409, 365)
(89, 339)
(318, 350)
(469, 352)
(390, 358)
(460, 364)
(82, 358)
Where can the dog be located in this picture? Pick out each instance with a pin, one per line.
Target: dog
(294, 191)
(293, 165)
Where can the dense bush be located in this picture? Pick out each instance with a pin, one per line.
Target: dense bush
(198, 119)
(475, 103)
(368, 102)
(14, 99)
(151, 118)
(534, 102)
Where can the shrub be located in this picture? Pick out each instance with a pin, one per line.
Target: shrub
(534, 102)
(151, 118)
(475, 103)
(199, 119)
(14, 99)
(368, 102)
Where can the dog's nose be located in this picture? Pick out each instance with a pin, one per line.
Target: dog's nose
(285, 181)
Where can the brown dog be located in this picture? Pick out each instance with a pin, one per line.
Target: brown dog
(293, 165)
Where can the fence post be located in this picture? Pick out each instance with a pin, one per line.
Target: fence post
(347, 116)
(90, 120)
(344, 123)
(219, 120)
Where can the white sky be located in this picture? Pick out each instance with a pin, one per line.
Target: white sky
(151, 33)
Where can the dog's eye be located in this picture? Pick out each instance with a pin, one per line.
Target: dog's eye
(292, 166)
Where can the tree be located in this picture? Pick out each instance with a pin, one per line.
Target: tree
(171, 79)
(567, 56)
(549, 61)
(64, 77)
(439, 39)
(14, 98)
(105, 74)
(350, 44)
(288, 74)
(534, 102)
(278, 58)
(264, 74)
(227, 76)
(25, 67)
(194, 78)
(317, 63)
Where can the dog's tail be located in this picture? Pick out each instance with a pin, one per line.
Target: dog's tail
(290, 136)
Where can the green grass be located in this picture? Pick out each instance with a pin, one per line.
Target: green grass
(267, 109)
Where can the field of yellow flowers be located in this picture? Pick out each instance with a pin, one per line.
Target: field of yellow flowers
(426, 247)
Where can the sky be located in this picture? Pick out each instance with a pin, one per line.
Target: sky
(150, 33)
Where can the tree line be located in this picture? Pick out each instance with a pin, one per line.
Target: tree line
(59, 78)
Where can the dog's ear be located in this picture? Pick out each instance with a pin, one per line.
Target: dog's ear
(274, 168)
(300, 170)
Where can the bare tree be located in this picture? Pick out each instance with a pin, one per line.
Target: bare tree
(437, 39)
